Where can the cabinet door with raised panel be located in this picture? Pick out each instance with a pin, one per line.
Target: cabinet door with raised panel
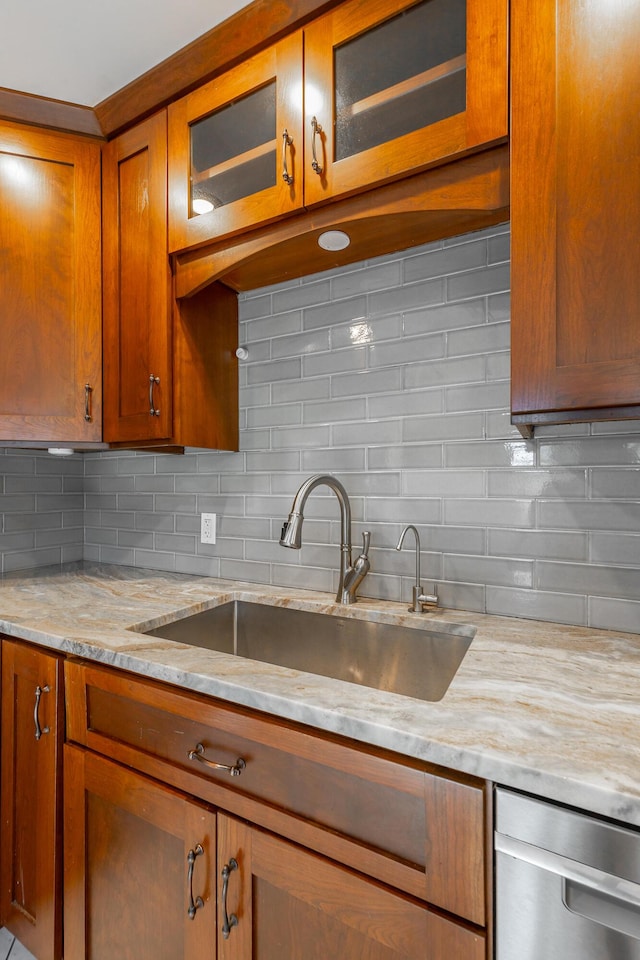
(50, 286)
(278, 901)
(139, 866)
(392, 88)
(235, 148)
(575, 208)
(30, 857)
(137, 285)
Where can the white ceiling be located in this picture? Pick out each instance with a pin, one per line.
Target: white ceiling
(82, 51)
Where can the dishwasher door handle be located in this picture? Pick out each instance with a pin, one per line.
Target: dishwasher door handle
(616, 888)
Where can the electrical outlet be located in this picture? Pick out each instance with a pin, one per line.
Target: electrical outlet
(208, 528)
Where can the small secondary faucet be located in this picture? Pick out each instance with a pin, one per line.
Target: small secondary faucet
(351, 576)
(420, 599)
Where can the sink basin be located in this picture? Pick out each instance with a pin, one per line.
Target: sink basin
(415, 662)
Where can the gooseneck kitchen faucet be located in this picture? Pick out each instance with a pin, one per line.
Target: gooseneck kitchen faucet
(351, 576)
(420, 598)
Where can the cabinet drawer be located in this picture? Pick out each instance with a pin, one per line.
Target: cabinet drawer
(383, 815)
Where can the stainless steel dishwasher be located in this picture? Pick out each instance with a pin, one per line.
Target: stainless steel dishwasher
(567, 884)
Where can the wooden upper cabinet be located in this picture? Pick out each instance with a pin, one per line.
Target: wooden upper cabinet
(137, 285)
(31, 851)
(387, 89)
(392, 88)
(50, 286)
(236, 148)
(170, 371)
(575, 210)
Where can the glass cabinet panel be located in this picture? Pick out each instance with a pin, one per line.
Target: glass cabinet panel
(407, 73)
(395, 86)
(236, 147)
(369, 92)
(234, 151)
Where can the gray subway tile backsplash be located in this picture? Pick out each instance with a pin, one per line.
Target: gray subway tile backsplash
(614, 614)
(393, 375)
(441, 262)
(331, 312)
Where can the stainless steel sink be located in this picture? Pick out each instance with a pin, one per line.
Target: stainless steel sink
(415, 662)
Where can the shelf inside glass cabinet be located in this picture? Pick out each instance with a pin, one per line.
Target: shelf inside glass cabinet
(405, 74)
(234, 151)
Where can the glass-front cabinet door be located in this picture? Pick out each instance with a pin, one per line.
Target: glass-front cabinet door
(392, 88)
(236, 148)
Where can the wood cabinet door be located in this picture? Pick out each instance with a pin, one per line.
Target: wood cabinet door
(575, 210)
(278, 901)
(139, 866)
(392, 88)
(235, 148)
(137, 285)
(30, 857)
(50, 284)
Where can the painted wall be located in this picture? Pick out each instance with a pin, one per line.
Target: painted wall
(393, 375)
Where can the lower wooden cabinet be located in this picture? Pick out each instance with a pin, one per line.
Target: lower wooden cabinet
(30, 858)
(281, 902)
(193, 828)
(139, 866)
(142, 881)
(325, 848)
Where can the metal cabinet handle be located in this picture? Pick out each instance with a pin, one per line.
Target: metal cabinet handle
(227, 921)
(153, 412)
(317, 129)
(234, 770)
(87, 402)
(36, 719)
(196, 904)
(286, 142)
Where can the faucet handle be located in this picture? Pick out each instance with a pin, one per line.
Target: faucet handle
(366, 540)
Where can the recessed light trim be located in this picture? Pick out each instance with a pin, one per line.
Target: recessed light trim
(334, 240)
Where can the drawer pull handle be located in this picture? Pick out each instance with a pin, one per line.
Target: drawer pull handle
(153, 410)
(234, 770)
(227, 921)
(287, 141)
(36, 719)
(87, 402)
(191, 859)
(317, 131)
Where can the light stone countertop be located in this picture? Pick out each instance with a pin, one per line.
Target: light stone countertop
(547, 708)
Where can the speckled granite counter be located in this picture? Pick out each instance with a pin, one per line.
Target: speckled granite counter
(550, 709)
